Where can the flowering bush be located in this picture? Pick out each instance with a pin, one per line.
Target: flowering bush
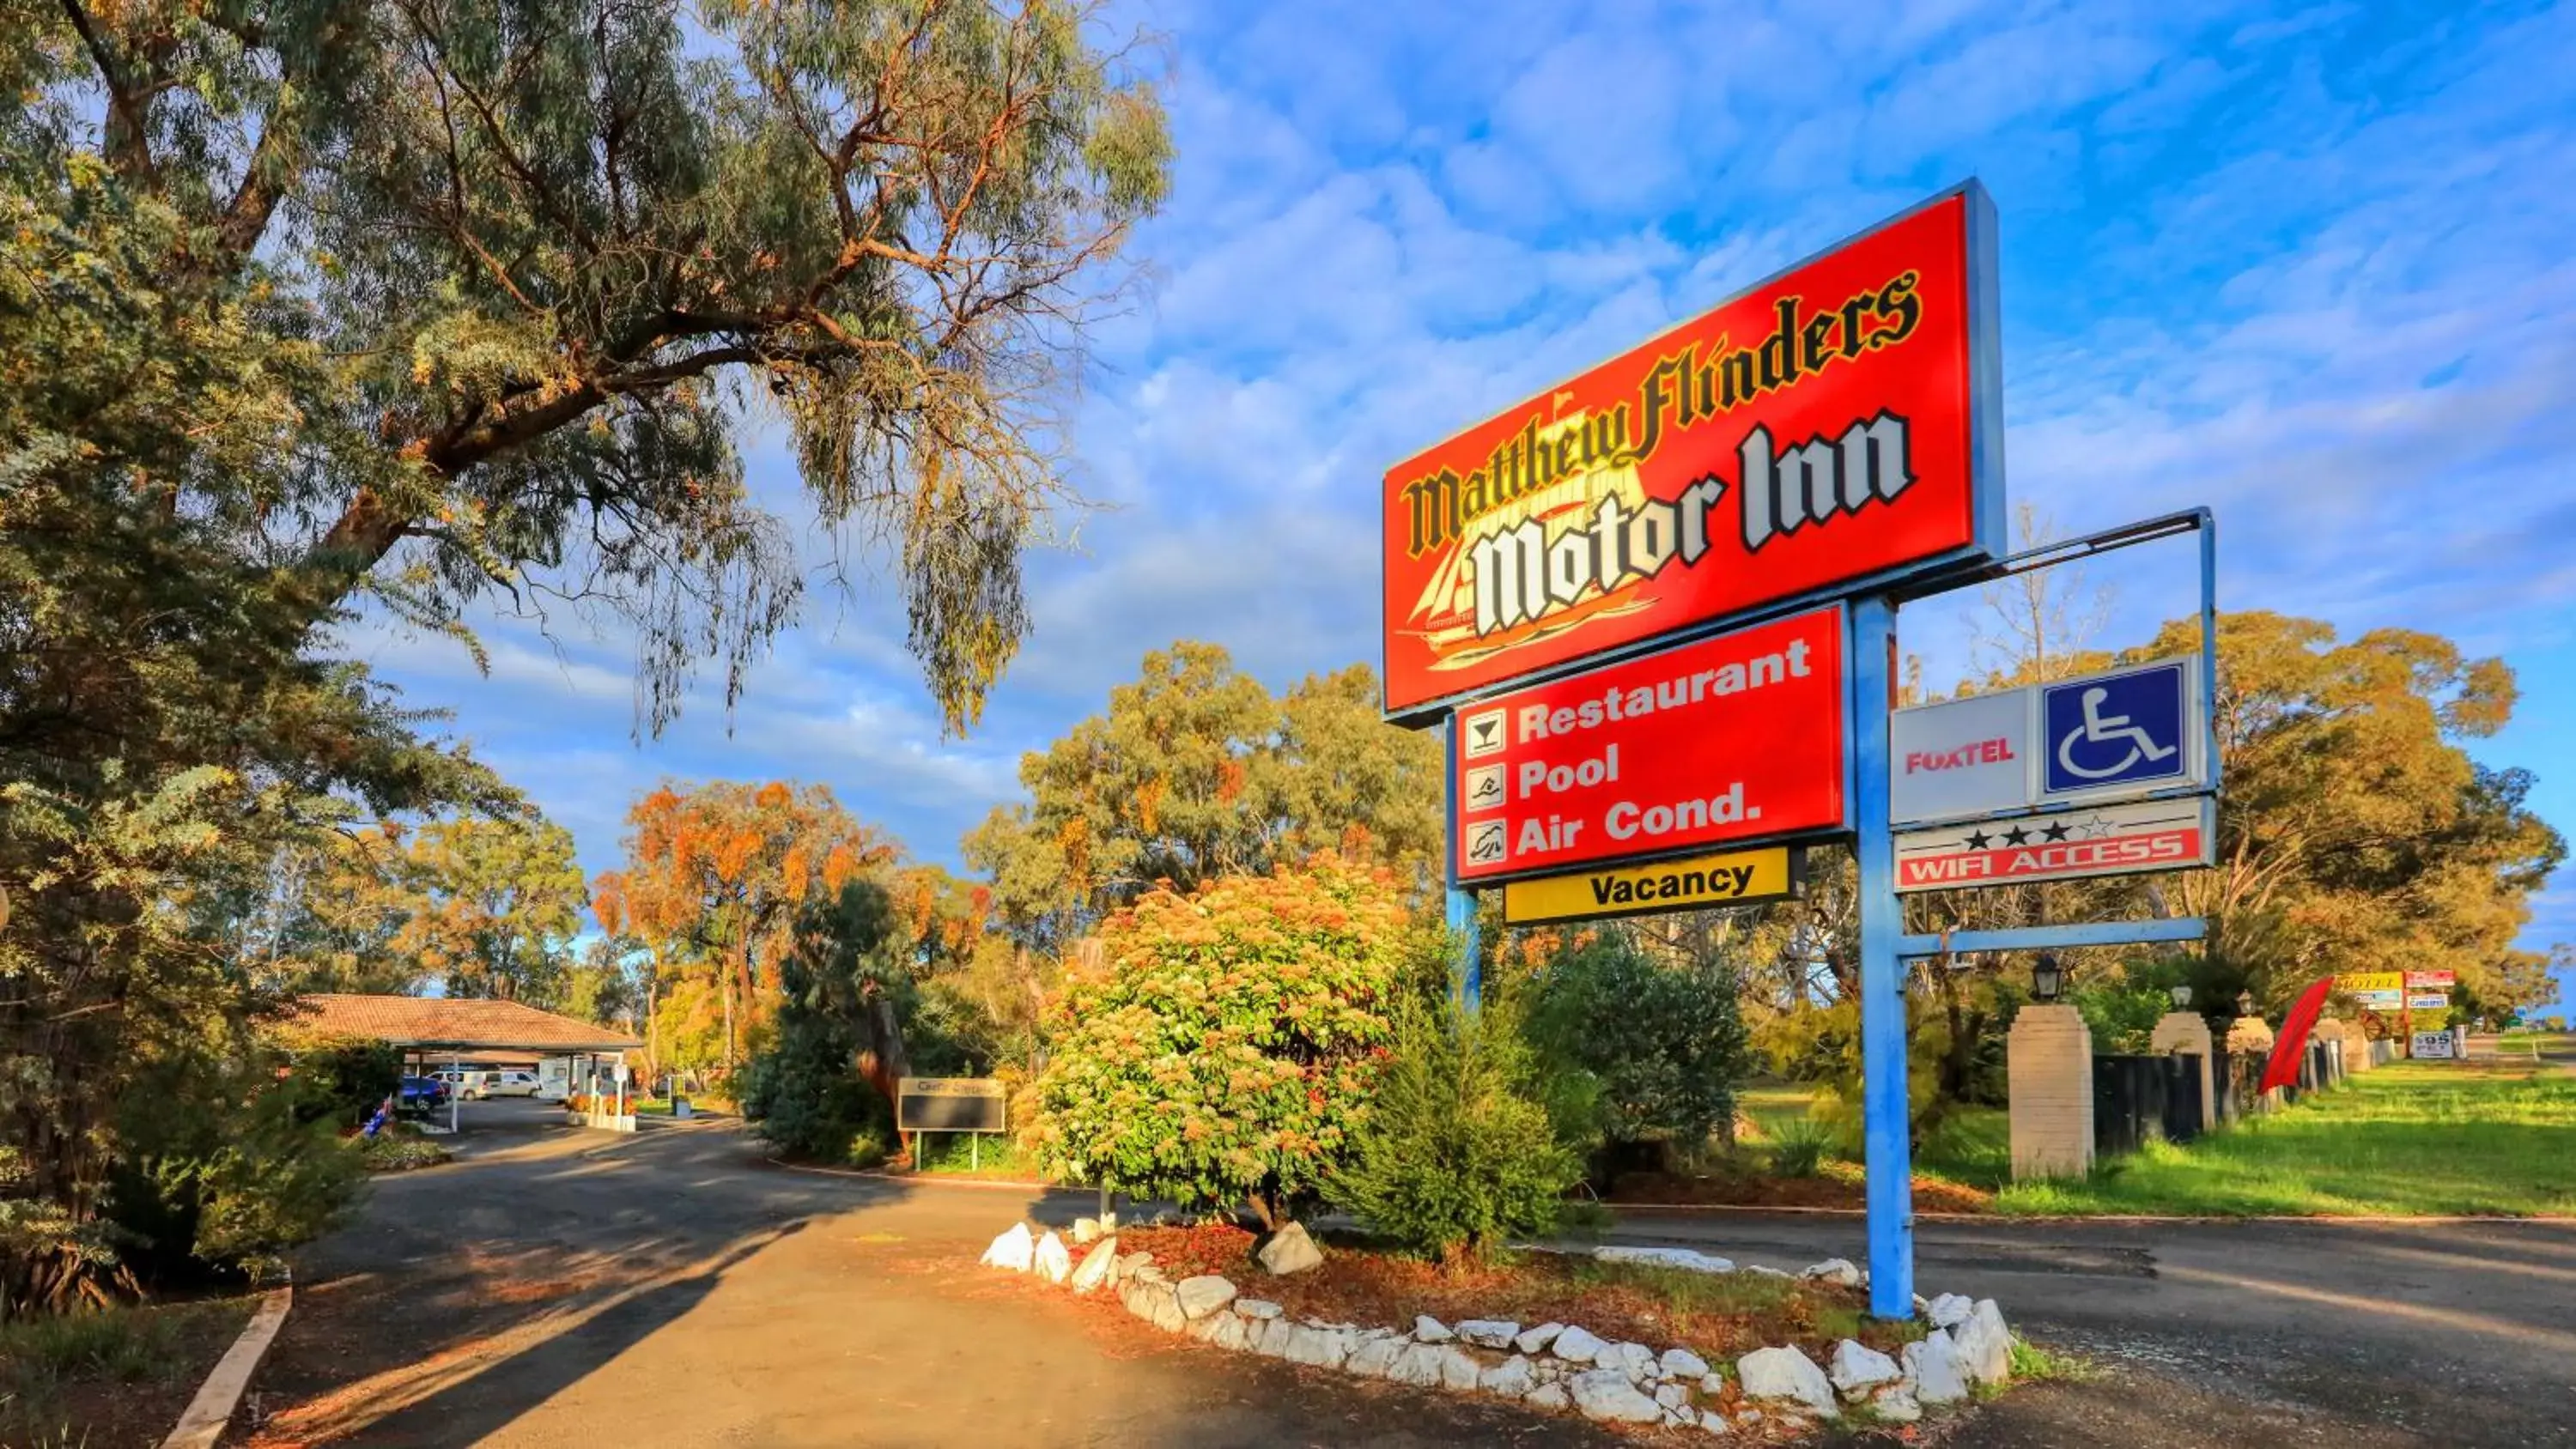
(1225, 1046)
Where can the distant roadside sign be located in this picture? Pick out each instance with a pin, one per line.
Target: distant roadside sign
(2096, 840)
(2432, 978)
(2432, 1046)
(950, 1104)
(1734, 879)
(2389, 983)
(2117, 734)
(2428, 1001)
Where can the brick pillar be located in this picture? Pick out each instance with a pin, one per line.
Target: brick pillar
(2185, 1031)
(2049, 1067)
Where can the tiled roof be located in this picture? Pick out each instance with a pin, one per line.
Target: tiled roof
(455, 1022)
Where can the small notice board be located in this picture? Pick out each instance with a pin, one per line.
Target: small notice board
(950, 1104)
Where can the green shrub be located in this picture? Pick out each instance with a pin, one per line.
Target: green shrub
(344, 1077)
(803, 1091)
(1799, 1145)
(1664, 1043)
(1456, 1154)
(224, 1165)
(868, 1149)
(1224, 1049)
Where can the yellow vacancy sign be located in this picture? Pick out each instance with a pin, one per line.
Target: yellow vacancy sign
(1732, 879)
(2371, 981)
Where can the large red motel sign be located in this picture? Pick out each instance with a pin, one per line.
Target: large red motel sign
(1651, 604)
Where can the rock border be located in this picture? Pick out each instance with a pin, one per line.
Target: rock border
(1556, 1367)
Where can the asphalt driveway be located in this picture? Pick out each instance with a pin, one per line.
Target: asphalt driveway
(559, 1286)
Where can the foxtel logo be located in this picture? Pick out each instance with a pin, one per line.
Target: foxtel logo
(1522, 575)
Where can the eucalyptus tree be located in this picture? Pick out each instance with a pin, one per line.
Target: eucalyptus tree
(315, 309)
(562, 257)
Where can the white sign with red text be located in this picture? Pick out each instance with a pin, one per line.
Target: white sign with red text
(2099, 840)
(1967, 757)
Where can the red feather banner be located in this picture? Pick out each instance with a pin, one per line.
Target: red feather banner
(2283, 1069)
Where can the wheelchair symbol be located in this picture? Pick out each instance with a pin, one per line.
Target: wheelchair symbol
(2101, 729)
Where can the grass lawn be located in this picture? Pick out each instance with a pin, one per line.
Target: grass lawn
(995, 1155)
(2410, 1138)
(105, 1380)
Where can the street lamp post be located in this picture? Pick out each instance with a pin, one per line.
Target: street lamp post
(2046, 977)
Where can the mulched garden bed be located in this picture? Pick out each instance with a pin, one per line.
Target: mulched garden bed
(1718, 1316)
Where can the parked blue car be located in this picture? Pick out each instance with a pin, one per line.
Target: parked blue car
(421, 1094)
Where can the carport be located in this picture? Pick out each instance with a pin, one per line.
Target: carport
(436, 1031)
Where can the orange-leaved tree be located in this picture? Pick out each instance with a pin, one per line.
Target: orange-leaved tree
(713, 878)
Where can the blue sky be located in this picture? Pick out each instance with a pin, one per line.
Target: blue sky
(2306, 264)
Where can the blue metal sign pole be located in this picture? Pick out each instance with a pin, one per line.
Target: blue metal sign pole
(1885, 1114)
(1462, 903)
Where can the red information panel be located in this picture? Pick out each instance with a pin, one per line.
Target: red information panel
(1739, 737)
(1822, 428)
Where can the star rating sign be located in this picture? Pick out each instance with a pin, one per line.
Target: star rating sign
(1979, 840)
(2056, 831)
(2016, 836)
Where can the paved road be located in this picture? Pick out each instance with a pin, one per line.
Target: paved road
(561, 1287)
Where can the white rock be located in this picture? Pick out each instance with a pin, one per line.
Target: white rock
(1768, 1272)
(1085, 1230)
(1682, 1258)
(1985, 1345)
(1681, 1363)
(1270, 1336)
(1672, 1396)
(1576, 1346)
(1256, 1308)
(1949, 1310)
(1547, 1396)
(1932, 1370)
(1417, 1364)
(1203, 1295)
(1833, 1270)
(1682, 1418)
(1148, 1273)
(1857, 1368)
(1372, 1359)
(1512, 1378)
(1052, 1262)
(1713, 1423)
(1488, 1332)
(1289, 1251)
(1427, 1329)
(1785, 1373)
(1538, 1338)
(1129, 1264)
(1713, 1385)
(1012, 1250)
(1633, 1359)
(1096, 1265)
(1897, 1406)
(1321, 1347)
(1222, 1330)
(1605, 1394)
(1459, 1371)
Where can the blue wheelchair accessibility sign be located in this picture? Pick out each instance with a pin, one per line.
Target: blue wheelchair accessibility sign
(2109, 730)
